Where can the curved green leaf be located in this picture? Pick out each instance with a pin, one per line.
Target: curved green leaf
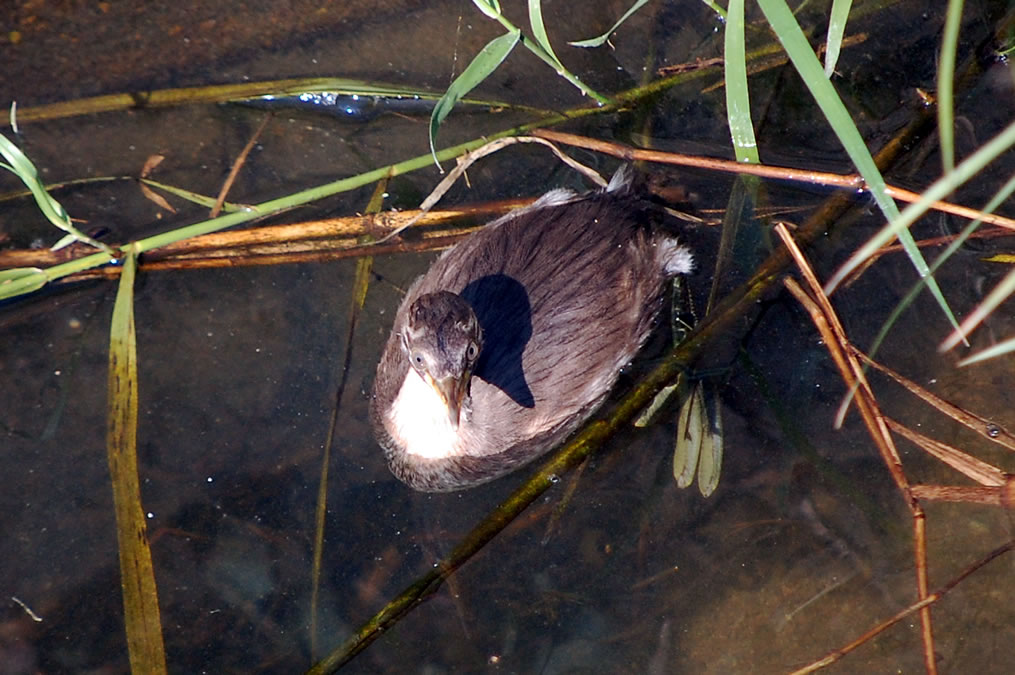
(836, 29)
(946, 84)
(597, 41)
(19, 280)
(806, 63)
(539, 30)
(23, 168)
(489, 7)
(486, 62)
(738, 100)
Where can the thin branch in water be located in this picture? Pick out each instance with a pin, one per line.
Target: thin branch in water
(827, 322)
(469, 158)
(241, 159)
(853, 182)
(922, 605)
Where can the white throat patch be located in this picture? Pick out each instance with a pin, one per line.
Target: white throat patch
(418, 420)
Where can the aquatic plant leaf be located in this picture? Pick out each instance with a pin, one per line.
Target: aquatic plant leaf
(64, 241)
(19, 280)
(800, 53)
(1000, 197)
(487, 61)
(364, 266)
(489, 7)
(145, 645)
(598, 41)
(22, 167)
(1000, 349)
(539, 31)
(191, 196)
(836, 29)
(946, 84)
(938, 190)
(716, 8)
(738, 100)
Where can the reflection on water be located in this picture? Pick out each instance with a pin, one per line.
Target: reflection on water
(793, 556)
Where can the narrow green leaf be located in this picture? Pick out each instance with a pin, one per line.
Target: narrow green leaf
(938, 190)
(738, 101)
(14, 273)
(836, 29)
(361, 283)
(489, 7)
(64, 241)
(539, 31)
(806, 63)
(194, 197)
(19, 280)
(145, 646)
(1002, 348)
(715, 8)
(597, 41)
(486, 62)
(946, 84)
(23, 168)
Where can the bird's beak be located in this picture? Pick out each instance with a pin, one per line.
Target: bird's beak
(452, 391)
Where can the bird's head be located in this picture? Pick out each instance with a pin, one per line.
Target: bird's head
(442, 340)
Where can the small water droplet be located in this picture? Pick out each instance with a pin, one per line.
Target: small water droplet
(554, 478)
(993, 430)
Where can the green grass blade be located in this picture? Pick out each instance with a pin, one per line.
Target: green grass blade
(738, 101)
(240, 92)
(19, 280)
(598, 41)
(715, 8)
(946, 84)
(999, 198)
(489, 7)
(22, 167)
(806, 63)
(191, 196)
(1002, 348)
(836, 29)
(547, 56)
(492, 55)
(539, 31)
(941, 188)
(137, 576)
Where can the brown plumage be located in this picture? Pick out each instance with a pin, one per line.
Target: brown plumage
(542, 308)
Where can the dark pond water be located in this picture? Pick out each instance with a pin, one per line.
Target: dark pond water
(806, 543)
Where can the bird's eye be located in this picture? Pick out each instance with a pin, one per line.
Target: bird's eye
(473, 351)
(417, 359)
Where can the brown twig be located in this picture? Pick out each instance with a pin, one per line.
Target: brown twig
(238, 163)
(921, 606)
(468, 159)
(328, 239)
(988, 429)
(853, 182)
(826, 321)
(978, 470)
